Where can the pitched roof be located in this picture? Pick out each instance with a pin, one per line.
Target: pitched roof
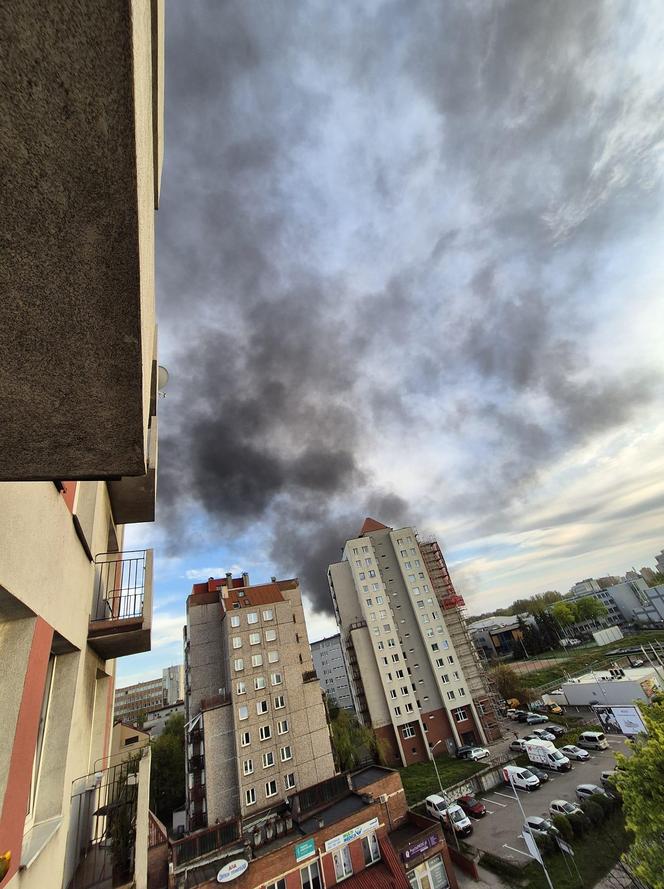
(372, 525)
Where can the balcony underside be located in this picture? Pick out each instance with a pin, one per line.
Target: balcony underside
(118, 638)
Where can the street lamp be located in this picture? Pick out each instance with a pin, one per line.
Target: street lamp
(440, 783)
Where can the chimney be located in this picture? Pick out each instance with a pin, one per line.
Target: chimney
(273, 579)
(245, 579)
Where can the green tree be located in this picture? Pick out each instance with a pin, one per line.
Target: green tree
(351, 741)
(167, 774)
(640, 780)
(509, 684)
(589, 609)
(564, 613)
(657, 579)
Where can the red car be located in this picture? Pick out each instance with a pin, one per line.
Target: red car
(471, 806)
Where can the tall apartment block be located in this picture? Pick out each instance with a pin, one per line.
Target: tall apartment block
(414, 676)
(330, 665)
(82, 136)
(256, 724)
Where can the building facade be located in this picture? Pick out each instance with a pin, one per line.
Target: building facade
(256, 723)
(133, 703)
(405, 669)
(82, 136)
(157, 719)
(329, 664)
(173, 682)
(498, 635)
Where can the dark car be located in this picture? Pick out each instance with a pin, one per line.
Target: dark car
(464, 752)
(555, 729)
(472, 806)
(542, 775)
(522, 716)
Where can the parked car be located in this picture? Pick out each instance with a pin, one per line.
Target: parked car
(464, 751)
(587, 791)
(511, 713)
(517, 745)
(456, 820)
(529, 737)
(638, 663)
(544, 734)
(540, 826)
(539, 773)
(478, 753)
(520, 777)
(593, 741)
(608, 782)
(556, 709)
(472, 806)
(562, 807)
(536, 719)
(555, 729)
(571, 751)
(522, 715)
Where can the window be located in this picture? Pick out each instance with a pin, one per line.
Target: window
(408, 731)
(435, 646)
(247, 766)
(257, 660)
(379, 600)
(409, 708)
(384, 661)
(455, 674)
(282, 726)
(445, 677)
(268, 759)
(370, 849)
(399, 674)
(372, 615)
(238, 664)
(368, 601)
(368, 561)
(450, 659)
(243, 712)
(250, 796)
(252, 617)
(286, 754)
(365, 549)
(375, 587)
(310, 876)
(391, 643)
(404, 552)
(387, 628)
(450, 695)
(43, 715)
(273, 657)
(429, 875)
(343, 866)
(237, 642)
(462, 690)
(407, 565)
(279, 702)
(265, 732)
(381, 646)
(363, 576)
(268, 614)
(393, 693)
(376, 631)
(271, 788)
(404, 690)
(235, 620)
(460, 715)
(355, 550)
(241, 688)
(425, 587)
(276, 678)
(420, 603)
(416, 591)
(397, 711)
(270, 635)
(262, 707)
(372, 573)
(245, 739)
(424, 618)
(289, 781)
(411, 578)
(254, 638)
(259, 682)
(429, 633)
(382, 614)
(395, 658)
(280, 884)
(358, 563)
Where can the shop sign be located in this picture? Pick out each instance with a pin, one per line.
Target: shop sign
(351, 834)
(423, 845)
(305, 849)
(232, 870)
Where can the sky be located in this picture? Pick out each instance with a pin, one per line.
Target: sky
(409, 265)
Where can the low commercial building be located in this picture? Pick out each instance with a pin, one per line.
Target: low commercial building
(329, 664)
(157, 719)
(351, 828)
(497, 635)
(616, 686)
(133, 703)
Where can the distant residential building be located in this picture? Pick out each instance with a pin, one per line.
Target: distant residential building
(157, 719)
(638, 602)
(609, 580)
(648, 574)
(133, 703)
(659, 560)
(583, 587)
(497, 635)
(256, 724)
(391, 596)
(173, 682)
(329, 664)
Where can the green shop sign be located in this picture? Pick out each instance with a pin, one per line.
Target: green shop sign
(305, 849)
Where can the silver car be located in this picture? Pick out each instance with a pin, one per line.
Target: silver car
(588, 791)
(571, 751)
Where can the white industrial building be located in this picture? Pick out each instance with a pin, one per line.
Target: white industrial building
(620, 687)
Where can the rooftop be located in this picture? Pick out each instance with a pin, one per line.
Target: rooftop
(369, 776)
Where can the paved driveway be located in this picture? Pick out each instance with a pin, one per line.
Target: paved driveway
(499, 831)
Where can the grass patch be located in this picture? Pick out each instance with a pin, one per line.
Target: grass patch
(419, 780)
(595, 855)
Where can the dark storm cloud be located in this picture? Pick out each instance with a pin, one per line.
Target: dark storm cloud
(381, 219)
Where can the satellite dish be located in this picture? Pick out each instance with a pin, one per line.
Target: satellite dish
(162, 378)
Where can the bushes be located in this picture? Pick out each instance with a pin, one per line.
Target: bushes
(606, 803)
(500, 866)
(564, 827)
(593, 811)
(546, 844)
(579, 823)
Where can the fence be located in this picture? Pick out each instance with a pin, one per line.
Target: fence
(203, 843)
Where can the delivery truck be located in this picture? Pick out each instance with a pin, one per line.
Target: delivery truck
(544, 754)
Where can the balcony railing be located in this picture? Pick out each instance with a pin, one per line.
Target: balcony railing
(105, 818)
(121, 615)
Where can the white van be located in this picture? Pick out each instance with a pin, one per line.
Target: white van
(593, 741)
(449, 814)
(520, 777)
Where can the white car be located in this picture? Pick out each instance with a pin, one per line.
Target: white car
(562, 807)
(587, 791)
(571, 751)
(478, 753)
(543, 734)
(540, 826)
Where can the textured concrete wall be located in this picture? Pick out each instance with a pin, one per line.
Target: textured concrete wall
(220, 764)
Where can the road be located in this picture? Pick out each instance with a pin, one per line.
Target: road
(500, 830)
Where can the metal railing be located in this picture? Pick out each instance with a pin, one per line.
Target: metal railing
(190, 848)
(102, 832)
(120, 586)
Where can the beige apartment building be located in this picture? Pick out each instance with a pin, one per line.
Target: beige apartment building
(133, 703)
(414, 673)
(257, 730)
(81, 137)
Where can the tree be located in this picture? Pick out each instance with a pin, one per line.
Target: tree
(351, 741)
(656, 580)
(548, 629)
(589, 609)
(640, 781)
(167, 774)
(564, 613)
(509, 684)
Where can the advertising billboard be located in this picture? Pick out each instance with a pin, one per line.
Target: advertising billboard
(620, 720)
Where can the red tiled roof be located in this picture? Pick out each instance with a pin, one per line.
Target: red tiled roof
(386, 874)
(372, 525)
(260, 594)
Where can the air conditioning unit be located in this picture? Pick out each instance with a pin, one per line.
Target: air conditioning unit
(382, 798)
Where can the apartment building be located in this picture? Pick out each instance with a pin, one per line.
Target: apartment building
(406, 670)
(256, 722)
(134, 702)
(329, 664)
(82, 137)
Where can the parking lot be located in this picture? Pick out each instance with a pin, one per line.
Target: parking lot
(499, 831)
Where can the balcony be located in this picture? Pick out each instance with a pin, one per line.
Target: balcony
(107, 839)
(309, 676)
(121, 619)
(196, 762)
(133, 497)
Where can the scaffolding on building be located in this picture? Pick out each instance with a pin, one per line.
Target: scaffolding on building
(453, 606)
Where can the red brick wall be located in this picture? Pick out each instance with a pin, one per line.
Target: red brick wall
(415, 749)
(389, 747)
(439, 728)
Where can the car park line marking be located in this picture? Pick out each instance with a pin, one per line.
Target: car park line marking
(495, 803)
(498, 793)
(511, 848)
